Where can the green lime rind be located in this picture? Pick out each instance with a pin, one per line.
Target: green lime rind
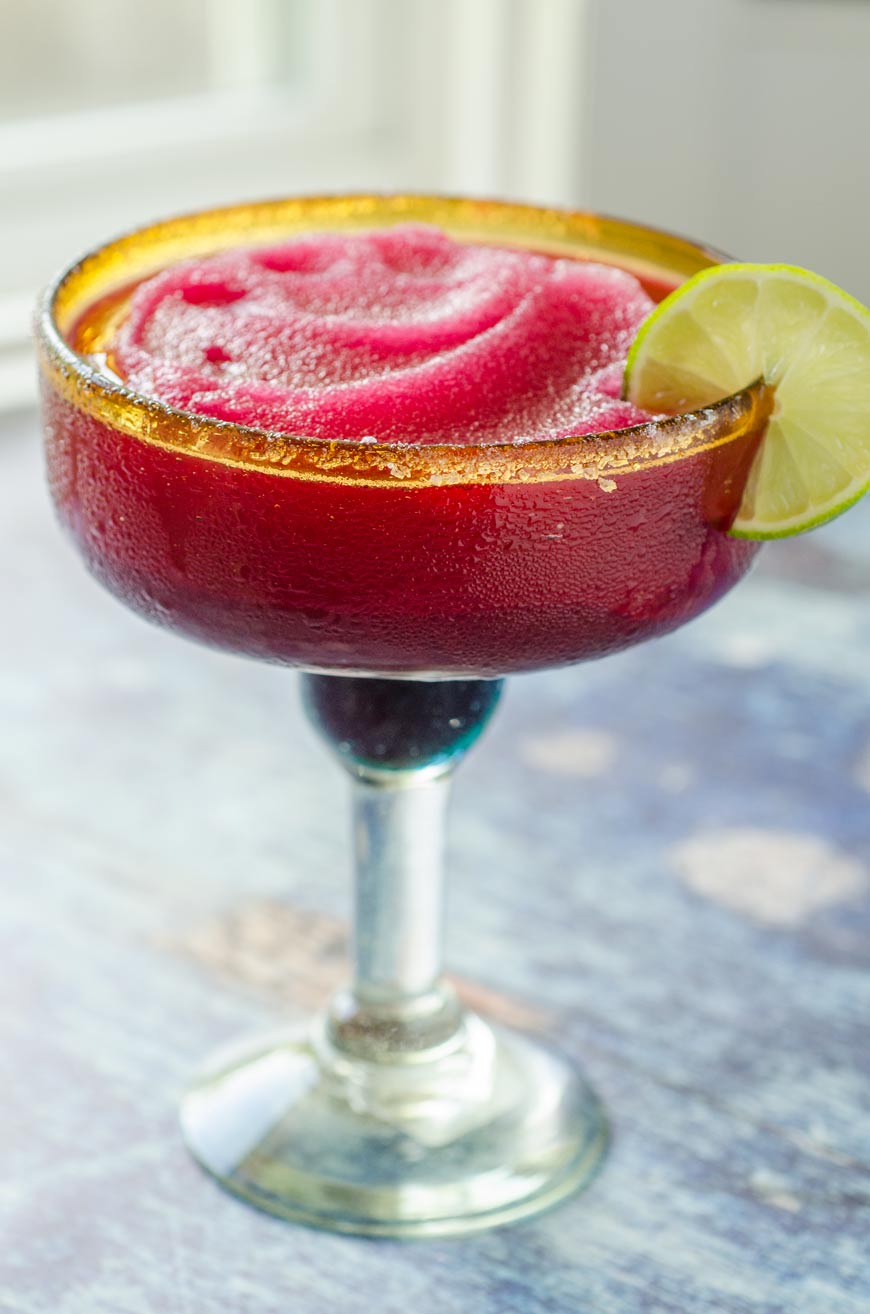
(802, 526)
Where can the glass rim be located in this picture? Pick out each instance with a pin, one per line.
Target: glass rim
(553, 230)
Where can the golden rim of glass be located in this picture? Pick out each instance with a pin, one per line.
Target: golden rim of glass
(646, 252)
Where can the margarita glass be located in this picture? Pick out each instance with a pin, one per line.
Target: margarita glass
(406, 581)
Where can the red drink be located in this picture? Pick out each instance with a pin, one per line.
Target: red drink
(473, 560)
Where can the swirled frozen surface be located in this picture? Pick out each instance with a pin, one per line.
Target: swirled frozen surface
(399, 334)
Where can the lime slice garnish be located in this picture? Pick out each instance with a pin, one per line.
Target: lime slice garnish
(810, 342)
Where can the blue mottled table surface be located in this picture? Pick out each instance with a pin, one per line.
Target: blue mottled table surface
(662, 860)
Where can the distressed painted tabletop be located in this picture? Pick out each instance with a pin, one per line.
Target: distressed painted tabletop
(663, 860)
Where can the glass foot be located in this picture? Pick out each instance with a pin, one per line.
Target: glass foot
(483, 1129)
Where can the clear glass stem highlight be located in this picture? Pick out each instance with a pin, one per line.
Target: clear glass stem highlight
(398, 829)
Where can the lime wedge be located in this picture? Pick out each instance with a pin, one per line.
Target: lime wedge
(810, 342)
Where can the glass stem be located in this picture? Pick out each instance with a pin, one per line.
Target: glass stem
(398, 740)
(398, 826)
(398, 1004)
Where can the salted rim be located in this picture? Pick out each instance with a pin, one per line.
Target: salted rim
(555, 231)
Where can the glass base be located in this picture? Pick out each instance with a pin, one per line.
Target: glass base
(483, 1129)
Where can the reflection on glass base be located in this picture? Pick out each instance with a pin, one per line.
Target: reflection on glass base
(483, 1130)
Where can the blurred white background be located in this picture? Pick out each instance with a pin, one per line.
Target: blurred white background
(741, 122)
